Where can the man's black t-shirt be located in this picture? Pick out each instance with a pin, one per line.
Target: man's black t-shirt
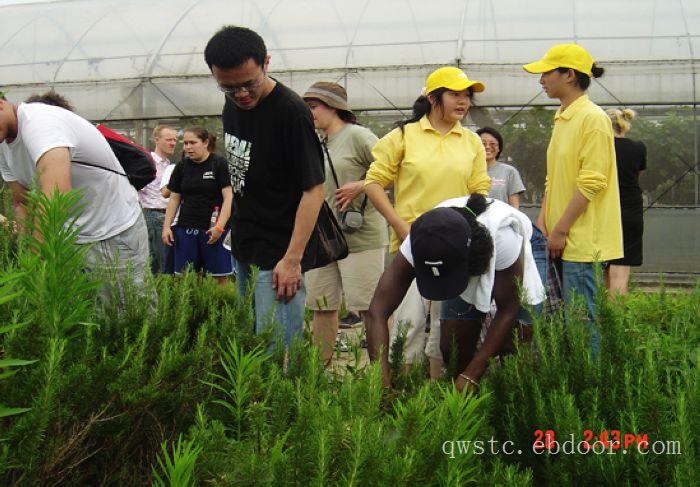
(199, 186)
(274, 155)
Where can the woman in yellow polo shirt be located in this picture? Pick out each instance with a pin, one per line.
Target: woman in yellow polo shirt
(580, 213)
(428, 159)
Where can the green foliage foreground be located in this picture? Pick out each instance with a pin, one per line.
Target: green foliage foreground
(187, 395)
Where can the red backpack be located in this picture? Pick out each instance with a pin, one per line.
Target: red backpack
(139, 167)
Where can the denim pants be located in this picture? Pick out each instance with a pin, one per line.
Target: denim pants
(287, 318)
(539, 253)
(579, 280)
(154, 223)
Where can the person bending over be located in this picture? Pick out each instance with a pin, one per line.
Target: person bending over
(463, 253)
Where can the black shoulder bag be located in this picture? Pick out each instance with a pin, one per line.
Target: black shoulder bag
(327, 243)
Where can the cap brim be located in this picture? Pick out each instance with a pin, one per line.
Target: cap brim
(443, 288)
(538, 67)
(461, 85)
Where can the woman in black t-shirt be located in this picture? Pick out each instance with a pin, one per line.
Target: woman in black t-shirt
(631, 159)
(200, 187)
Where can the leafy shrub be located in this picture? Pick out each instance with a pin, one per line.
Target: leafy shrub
(178, 466)
(111, 386)
(6, 363)
(645, 383)
(189, 395)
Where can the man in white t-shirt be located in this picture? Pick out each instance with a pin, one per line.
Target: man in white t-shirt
(152, 201)
(463, 253)
(41, 142)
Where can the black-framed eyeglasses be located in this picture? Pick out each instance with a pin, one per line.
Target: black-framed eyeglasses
(247, 87)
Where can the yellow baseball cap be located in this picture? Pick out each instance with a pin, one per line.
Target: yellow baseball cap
(453, 79)
(563, 56)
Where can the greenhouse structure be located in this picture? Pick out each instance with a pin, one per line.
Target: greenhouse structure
(469, 357)
(134, 64)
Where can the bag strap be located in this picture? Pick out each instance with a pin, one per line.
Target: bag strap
(363, 206)
(335, 176)
(100, 167)
(364, 200)
(330, 161)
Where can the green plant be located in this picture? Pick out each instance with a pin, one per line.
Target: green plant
(177, 465)
(238, 383)
(8, 293)
(108, 400)
(643, 383)
(59, 294)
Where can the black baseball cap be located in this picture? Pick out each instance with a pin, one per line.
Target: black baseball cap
(440, 241)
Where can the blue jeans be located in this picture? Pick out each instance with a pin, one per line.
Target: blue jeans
(288, 319)
(154, 223)
(579, 279)
(539, 252)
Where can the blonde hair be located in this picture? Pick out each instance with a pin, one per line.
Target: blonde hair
(621, 119)
(159, 128)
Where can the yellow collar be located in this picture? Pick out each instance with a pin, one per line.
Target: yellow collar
(426, 125)
(572, 109)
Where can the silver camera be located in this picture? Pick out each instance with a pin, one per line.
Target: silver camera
(351, 220)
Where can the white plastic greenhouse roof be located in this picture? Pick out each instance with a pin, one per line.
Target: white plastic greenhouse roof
(143, 59)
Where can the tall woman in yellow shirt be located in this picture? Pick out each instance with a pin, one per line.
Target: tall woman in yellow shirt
(580, 214)
(428, 159)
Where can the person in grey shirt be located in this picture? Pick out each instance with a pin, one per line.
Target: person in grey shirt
(506, 184)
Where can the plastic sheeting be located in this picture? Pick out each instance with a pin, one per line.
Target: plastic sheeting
(143, 60)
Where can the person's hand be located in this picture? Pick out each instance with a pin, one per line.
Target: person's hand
(167, 236)
(556, 242)
(348, 192)
(464, 385)
(286, 278)
(402, 231)
(215, 234)
(9, 224)
(542, 225)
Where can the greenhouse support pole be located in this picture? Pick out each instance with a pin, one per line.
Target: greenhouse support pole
(144, 123)
(696, 173)
(691, 51)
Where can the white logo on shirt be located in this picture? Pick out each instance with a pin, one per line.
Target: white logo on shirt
(208, 175)
(238, 154)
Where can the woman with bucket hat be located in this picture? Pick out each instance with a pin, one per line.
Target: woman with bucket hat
(427, 158)
(580, 214)
(348, 154)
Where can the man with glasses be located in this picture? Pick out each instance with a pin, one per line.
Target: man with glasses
(276, 167)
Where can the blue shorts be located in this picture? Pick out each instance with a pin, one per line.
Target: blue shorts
(191, 247)
(459, 309)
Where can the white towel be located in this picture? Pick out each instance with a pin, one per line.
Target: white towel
(499, 215)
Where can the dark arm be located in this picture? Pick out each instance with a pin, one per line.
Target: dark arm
(390, 291)
(505, 292)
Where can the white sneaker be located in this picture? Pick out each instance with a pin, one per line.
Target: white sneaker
(341, 342)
